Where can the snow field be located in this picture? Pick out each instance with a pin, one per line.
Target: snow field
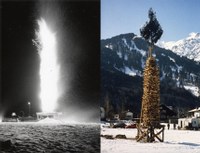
(180, 141)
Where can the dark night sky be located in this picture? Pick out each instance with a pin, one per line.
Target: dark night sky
(77, 26)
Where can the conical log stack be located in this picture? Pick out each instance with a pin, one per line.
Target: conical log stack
(150, 114)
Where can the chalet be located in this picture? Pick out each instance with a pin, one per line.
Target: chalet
(184, 123)
(167, 113)
(192, 121)
(194, 112)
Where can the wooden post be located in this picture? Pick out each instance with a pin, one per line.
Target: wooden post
(150, 134)
(150, 50)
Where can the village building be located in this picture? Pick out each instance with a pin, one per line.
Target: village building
(192, 121)
(167, 114)
(129, 115)
(194, 112)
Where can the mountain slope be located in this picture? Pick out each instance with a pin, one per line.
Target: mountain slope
(122, 61)
(188, 47)
(127, 53)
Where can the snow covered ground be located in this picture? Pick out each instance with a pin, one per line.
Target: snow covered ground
(24, 137)
(175, 141)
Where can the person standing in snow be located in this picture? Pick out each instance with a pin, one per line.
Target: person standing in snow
(168, 126)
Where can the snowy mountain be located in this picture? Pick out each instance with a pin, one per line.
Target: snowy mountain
(188, 47)
(123, 59)
(127, 53)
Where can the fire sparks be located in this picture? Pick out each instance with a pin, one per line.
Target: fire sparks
(49, 69)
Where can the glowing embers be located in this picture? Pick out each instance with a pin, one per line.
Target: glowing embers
(49, 69)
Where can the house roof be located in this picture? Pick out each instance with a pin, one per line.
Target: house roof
(194, 110)
(168, 110)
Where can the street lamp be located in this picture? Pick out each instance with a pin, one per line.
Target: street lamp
(29, 108)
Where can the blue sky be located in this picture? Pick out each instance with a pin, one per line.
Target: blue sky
(178, 18)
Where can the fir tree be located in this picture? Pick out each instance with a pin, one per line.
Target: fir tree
(151, 31)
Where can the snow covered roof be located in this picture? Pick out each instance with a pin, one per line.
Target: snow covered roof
(194, 110)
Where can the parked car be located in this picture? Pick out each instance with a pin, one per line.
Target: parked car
(105, 124)
(119, 125)
(133, 125)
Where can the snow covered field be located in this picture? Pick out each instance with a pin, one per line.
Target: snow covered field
(176, 141)
(49, 138)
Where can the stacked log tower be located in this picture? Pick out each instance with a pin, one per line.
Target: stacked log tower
(150, 112)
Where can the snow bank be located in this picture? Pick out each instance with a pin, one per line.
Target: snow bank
(50, 120)
(175, 141)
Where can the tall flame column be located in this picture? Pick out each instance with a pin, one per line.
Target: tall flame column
(49, 69)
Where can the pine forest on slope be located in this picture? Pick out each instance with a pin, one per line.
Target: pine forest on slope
(122, 62)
